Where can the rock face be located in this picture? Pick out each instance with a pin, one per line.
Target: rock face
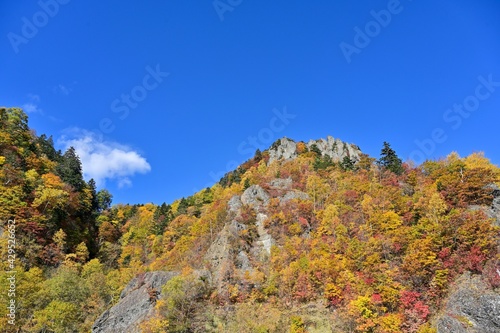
(281, 184)
(286, 149)
(234, 204)
(471, 308)
(136, 303)
(255, 196)
(294, 195)
(265, 240)
(494, 210)
(221, 253)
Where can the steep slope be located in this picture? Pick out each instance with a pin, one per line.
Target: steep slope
(330, 250)
(303, 237)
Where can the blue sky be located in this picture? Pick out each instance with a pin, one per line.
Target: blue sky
(163, 97)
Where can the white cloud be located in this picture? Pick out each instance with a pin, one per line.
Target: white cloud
(124, 182)
(34, 98)
(32, 105)
(31, 108)
(105, 160)
(63, 89)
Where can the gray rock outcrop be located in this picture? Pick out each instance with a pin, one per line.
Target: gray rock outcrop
(471, 308)
(136, 303)
(220, 253)
(282, 184)
(294, 195)
(255, 196)
(492, 211)
(286, 149)
(495, 210)
(265, 240)
(234, 204)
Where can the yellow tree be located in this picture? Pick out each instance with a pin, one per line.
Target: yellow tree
(317, 189)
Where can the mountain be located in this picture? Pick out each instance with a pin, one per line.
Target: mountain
(304, 237)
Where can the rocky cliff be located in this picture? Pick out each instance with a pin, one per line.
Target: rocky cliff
(222, 253)
(136, 303)
(286, 149)
(471, 308)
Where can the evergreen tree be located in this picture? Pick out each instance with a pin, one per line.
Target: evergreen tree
(314, 148)
(322, 162)
(258, 155)
(237, 175)
(93, 189)
(183, 206)
(347, 164)
(46, 147)
(104, 199)
(163, 216)
(389, 160)
(207, 196)
(70, 169)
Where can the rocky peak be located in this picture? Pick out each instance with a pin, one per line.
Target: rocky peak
(286, 149)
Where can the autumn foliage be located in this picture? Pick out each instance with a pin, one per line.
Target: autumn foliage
(371, 250)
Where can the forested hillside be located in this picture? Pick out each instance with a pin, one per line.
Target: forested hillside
(327, 240)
